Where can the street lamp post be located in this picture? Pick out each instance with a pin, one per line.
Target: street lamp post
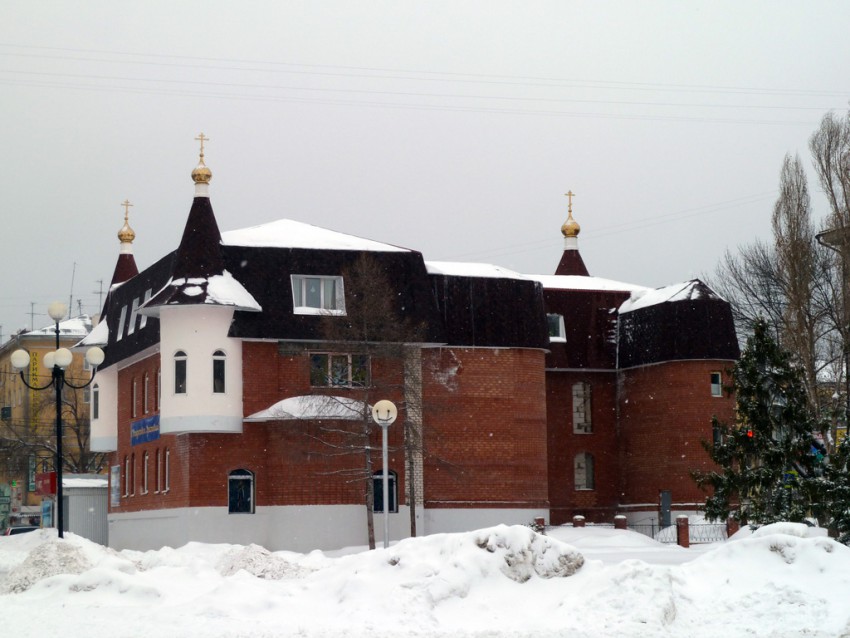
(57, 361)
(384, 413)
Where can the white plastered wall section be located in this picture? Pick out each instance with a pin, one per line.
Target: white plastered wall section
(104, 429)
(295, 528)
(199, 331)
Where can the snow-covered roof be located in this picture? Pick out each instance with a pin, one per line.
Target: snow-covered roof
(464, 269)
(312, 407)
(73, 327)
(683, 291)
(577, 282)
(219, 290)
(85, 482)
(99, 336)
(287, 233)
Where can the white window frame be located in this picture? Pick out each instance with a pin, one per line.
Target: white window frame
(327, 306)
(145, 458)
(716, 388)
(167, 485)
(561, 336)
(145, 393)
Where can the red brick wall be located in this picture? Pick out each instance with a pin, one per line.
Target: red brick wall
(598, 504)
(294, 462)
(666, 411)
(484, 428)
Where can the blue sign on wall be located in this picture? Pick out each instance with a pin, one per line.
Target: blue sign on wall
(145, 430)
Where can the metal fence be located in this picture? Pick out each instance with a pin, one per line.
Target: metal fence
(698, 533)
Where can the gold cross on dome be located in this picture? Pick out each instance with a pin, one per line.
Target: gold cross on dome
(202, 138)
(570, 195)
(126, 204)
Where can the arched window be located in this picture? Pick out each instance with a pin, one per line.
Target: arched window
(134, 398)
(167, 485)
(218, 371)
(378, 484)
(145, 394)
(180, 372)
(158, 387)
(95, 401)
(126, 491)
(583, 471)
(582, 423)
(132, 474)
(240, 492)
(145, 458)
(157, 481)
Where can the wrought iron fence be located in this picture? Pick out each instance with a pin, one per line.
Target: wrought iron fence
(698, 533)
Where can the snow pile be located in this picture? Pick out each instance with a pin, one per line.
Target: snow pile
(259, 562)
(529, 553)
(780, 581)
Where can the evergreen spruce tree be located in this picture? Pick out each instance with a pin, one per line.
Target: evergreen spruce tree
(836, 490)
(766, 463)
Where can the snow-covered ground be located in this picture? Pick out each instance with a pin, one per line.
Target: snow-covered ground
(502, 581)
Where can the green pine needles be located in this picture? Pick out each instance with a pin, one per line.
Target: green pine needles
(769, 468)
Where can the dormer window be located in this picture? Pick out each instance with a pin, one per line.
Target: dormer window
(316, 295)
(557, 332)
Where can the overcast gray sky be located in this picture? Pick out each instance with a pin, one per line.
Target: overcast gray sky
(453, 128)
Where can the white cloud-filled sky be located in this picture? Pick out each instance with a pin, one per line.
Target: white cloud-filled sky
(453, 128)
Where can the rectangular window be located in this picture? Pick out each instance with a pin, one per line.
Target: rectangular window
(582, 422)
(716, 384)
(317, 295)
(134, 398)
(126, 475)
(557, 332)
(339, 370)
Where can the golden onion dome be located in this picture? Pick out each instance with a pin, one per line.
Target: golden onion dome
(202, 174)
(570, 227)
(126, 235)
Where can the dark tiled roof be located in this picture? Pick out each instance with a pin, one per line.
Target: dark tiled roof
(571, 264)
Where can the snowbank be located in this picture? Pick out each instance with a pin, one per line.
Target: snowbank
(500, 581)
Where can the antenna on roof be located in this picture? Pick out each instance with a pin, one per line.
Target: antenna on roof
(71, 296)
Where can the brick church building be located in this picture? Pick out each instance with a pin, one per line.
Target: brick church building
(235, 394)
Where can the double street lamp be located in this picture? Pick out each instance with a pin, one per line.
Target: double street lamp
(58, 361)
